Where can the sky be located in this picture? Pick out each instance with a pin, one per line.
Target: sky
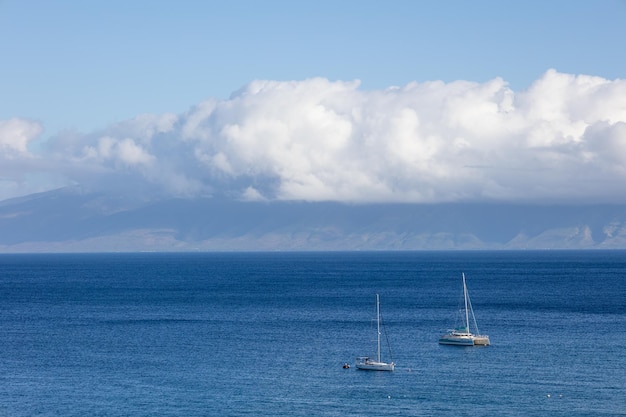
(353, 101)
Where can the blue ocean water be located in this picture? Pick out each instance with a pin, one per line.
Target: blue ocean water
(266, 334)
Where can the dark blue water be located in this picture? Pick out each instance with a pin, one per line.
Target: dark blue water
(267, 334)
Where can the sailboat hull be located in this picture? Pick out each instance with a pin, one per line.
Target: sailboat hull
(450, 339)
(369, 365)
(464, 340)
(481, 340)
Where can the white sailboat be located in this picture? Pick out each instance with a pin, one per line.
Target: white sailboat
(368, 364)
(462, 336)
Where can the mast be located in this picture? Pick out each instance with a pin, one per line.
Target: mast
(466, 311)
(378, 325)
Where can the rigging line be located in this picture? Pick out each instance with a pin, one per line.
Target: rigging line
(469, 302)
(386, 337)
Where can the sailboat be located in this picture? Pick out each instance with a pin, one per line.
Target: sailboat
(369, 364)
(462, 336)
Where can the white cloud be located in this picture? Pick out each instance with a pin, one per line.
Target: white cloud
(563, 139)
(123, 151)
(15, 135)
(22, 172)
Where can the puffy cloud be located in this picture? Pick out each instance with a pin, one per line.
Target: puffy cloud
(21, 171)
(425, 142)
(563, 139)
(15, 136)
(125, 151)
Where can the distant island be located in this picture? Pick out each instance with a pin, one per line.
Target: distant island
(68, 220)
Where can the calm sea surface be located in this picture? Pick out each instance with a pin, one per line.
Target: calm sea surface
(267, 334)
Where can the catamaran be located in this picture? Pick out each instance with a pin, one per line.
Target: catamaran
(462, 336)
(368, 364)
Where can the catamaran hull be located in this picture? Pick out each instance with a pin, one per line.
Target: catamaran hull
(481, 340)
(464, 340)
(457, 341)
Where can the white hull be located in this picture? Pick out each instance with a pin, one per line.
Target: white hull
(464, 340)
(375, 366)
(450, 339)
(481, 340)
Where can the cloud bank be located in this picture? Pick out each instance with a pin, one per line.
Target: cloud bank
(561, 140)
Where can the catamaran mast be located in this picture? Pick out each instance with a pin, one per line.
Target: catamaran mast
(378, 326)
(469, 303)
(466, 310)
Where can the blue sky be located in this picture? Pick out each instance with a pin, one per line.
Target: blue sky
(77, 73)
(86, 64)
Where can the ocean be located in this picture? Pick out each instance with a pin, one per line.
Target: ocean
(266, 334)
